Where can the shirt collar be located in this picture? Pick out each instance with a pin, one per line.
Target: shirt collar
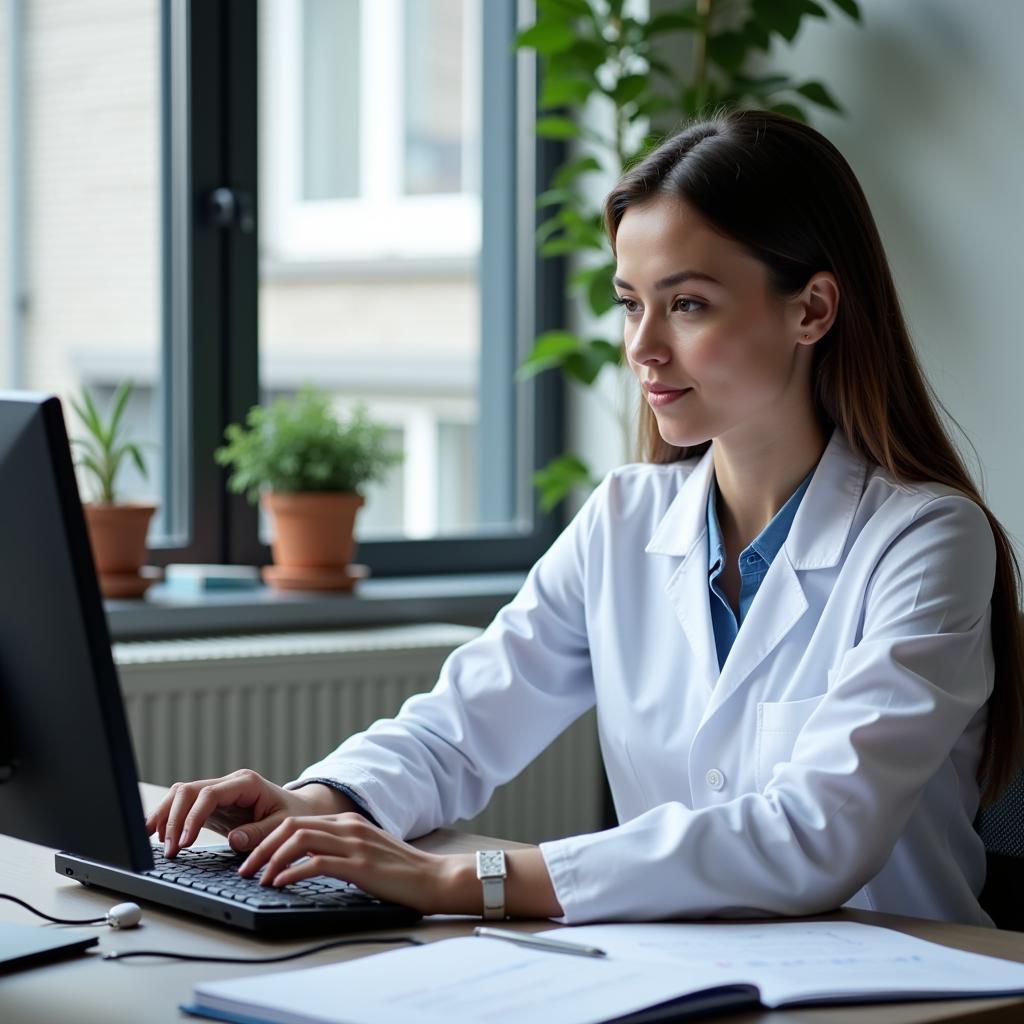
(768, 542)
(819, 530)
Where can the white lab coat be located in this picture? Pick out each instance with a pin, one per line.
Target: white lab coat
(833, 761)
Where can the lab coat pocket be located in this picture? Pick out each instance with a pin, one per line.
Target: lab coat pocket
(778, 725)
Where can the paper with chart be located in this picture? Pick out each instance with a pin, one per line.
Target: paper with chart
(792, 961)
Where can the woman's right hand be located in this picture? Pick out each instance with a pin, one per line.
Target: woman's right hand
(243, 806)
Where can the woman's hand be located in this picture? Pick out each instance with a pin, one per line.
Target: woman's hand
(350, 847)
(243, 798)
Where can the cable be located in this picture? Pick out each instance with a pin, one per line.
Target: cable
(260, 959)
(114, 955)
(55, 920)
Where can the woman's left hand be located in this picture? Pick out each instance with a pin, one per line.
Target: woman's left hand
(350, 847)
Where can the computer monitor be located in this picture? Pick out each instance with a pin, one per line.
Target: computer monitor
(68, 776)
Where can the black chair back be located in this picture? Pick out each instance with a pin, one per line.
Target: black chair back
(1001, 828)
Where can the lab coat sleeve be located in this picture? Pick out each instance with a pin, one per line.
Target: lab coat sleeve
(827, 820)
(499, 701)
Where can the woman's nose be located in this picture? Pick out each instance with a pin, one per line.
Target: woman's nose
(647, 346)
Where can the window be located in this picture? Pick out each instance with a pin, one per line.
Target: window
(224, 201)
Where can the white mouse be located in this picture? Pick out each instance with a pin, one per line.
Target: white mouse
(124, 915)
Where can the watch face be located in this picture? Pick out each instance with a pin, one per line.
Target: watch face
(490, 862)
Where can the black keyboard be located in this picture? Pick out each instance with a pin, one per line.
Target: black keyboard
(216, 872)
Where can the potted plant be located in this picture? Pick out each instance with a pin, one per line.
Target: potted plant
(117, 529)
(306, 465)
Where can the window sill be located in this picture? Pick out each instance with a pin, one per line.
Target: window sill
(467, 599)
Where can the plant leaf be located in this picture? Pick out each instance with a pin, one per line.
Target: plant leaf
(547, 228)
(550, 349)
(849, 7)
(559, 477)
(653, 105)
(571, 170)
(586, 55)
(140, 463)
(564, 8)
(554, 197)
(783, 16)
(559, 92)
(552, 127)
(600, 293)
(728, 50)
(566, 243)
(591, 358)
(547, 37)
(120, 401)
(678, 21)
(92, 419)
(628, 88)
(790, 110)
(816, 92)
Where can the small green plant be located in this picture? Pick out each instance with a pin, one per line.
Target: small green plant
(102, 453)
(300, 444)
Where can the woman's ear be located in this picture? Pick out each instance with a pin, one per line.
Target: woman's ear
(815, 308)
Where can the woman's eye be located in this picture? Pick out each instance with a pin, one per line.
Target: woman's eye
(695, 304)
(629, 305)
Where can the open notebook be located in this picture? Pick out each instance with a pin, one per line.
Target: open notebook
(651, 971)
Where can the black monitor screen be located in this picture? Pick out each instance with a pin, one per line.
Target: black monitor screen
(67, 769)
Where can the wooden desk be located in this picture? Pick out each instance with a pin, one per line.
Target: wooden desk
(87, 990)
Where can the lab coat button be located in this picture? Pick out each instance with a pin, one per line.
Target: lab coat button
(714, 778)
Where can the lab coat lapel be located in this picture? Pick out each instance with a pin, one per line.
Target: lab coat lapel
(816, 540)
(683, 533)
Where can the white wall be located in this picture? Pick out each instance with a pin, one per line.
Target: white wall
(934, 93)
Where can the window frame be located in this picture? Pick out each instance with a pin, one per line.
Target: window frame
(211, 295)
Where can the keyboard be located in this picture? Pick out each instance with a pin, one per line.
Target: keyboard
(205, 882)
(216, 872)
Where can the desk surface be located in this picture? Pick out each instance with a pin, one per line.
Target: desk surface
(87, 990)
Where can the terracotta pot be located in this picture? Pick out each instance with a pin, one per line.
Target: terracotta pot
(117, 534)
(313, 529)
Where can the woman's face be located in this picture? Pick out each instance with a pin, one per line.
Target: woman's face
(714, 350)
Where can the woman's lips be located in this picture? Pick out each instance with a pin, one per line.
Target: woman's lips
(662, 397)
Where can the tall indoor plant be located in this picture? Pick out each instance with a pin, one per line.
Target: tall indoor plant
(117, 528)
(684, 61)
(307, 465)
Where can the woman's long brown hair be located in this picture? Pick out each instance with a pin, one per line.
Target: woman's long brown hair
(785, 193)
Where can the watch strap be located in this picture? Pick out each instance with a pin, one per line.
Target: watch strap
(491, 870)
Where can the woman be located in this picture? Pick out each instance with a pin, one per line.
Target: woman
(832, 749)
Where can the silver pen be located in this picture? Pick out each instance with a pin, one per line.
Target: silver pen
(538, 941)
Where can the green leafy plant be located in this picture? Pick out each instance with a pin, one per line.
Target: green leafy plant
(592, 50)
(102, 453)
(300, 444)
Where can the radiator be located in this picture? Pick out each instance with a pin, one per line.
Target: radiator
(203, 707)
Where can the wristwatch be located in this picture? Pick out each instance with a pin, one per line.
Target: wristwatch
(491, 870)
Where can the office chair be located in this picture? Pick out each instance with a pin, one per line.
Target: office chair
(1001, 828)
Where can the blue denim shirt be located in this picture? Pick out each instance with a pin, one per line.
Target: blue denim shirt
(754, 562)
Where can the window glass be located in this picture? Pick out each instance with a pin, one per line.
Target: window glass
(87, 180)
(436, 130)
(330, 99)
(371, 290)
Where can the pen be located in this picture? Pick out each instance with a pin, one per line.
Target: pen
(538, 942)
